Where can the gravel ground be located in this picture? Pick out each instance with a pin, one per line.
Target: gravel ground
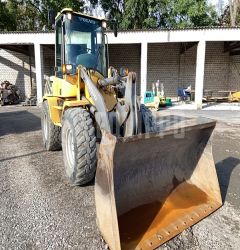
(40, 210)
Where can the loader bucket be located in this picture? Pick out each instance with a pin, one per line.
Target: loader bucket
(150, 187)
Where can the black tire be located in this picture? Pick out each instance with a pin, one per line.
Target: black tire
(148, 120)
(79, 146)
(51, 133)
(1, 100)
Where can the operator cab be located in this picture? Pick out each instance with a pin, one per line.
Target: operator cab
(79, 41)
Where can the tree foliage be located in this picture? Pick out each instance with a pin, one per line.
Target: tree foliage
(7, 16)
(32, 14)
(188, 13)
(137, 14)
(130, 14)
(168, 14)
(41, 7)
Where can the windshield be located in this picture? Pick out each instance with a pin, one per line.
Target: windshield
(84, 44)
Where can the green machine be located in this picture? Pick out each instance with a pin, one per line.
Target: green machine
(155, 98)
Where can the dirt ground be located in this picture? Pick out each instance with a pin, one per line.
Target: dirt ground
(40, 210)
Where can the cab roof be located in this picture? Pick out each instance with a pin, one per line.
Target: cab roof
(69, 10)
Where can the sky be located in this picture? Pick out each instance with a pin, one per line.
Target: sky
(216, 1)
(219, 4)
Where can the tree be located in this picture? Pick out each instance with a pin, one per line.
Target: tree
(7, 17)
(32, 14)
(183, 13)
(234, 6)
(130, 14)
(112, 8)
(41, 7)
(137, 14)
(231, 14)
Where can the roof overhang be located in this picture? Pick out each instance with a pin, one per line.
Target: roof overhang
(131, 37)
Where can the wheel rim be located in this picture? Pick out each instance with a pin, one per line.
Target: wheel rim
(45, 127)
(70, 148)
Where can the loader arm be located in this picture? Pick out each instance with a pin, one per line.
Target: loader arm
(126, 114)
(101, 115)
(131, 126)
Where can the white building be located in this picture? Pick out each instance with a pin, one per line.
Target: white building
(205, 58)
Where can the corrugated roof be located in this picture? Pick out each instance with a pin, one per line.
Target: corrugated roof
(136, 30)
(27, 32)
(183, 29)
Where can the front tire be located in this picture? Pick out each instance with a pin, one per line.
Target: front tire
(79, 146)
(148, 120)
(51, 133)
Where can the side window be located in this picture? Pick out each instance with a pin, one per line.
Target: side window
(59, 49)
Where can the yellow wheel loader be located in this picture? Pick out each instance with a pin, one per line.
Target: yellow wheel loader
(151, 183)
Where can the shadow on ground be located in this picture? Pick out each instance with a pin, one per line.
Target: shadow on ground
(224, 170)
(18, 122)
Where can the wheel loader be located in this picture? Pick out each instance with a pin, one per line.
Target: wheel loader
(151, 182)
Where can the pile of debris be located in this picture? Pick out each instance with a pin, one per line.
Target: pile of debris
(9, 93)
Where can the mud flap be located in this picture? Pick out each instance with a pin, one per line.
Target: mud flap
(150, 187)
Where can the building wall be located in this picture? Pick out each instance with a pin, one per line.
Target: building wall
(15, 68)
(188, 67)
(217, 67)
(126, 55)
(163, 65)
(166, 64)
(222, 72)
(234, 73)
(48, 61)
(48, 57)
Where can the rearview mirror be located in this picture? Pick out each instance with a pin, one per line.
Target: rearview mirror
(115, 28)
(51, 17)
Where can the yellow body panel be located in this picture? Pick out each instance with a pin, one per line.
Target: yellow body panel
(55, 110)
(62, 88)
(66, 94)
(77, 103)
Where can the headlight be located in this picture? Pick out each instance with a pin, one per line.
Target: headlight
(69, 16)
(104, 24)
(67, 69)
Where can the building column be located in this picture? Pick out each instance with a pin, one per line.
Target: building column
(144, 50)
(38, 68)
(201, 49)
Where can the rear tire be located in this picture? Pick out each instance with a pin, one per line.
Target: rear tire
(51, 133)
(79, 146)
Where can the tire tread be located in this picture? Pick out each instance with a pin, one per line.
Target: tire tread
(54, 136)
(86, 157)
